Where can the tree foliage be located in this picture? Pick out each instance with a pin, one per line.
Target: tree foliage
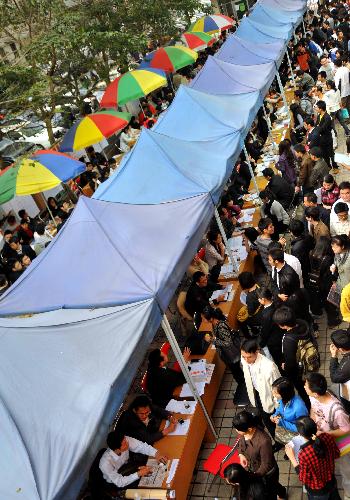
(67, 45)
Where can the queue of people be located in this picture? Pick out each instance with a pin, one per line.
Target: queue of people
(301, 271)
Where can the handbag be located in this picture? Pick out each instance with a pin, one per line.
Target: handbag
(334, 295)
(283, 435)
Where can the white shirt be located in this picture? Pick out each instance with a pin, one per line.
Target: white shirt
(333, 100)
(333, 216)
(329, 69)
(124, 142)
(253, 375)
(294, 262)
(340, 227)
(110, 462)
(342, 77)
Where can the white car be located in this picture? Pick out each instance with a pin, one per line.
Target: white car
(17, 129)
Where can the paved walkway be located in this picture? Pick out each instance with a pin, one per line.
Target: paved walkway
(224, 411)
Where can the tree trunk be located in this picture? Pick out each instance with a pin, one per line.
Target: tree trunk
(48, 123)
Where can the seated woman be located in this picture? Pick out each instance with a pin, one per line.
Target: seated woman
(250, 487)
(161, 381)
(251, 313)
(142, 420)
(290, 408)
(214, 250)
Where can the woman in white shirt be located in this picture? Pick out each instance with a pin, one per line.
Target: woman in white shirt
(125, 139)
(214, 249)
(333, 102)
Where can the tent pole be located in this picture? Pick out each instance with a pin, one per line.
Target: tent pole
(268, 121)
(178, 354)
(290, 67)
(224, 237)
(251, 169)
(283, 94)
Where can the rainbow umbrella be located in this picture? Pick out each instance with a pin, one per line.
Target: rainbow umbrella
(43, 170)
(132, 85)
(197, 40)
(93, 128)
(212, 23)
(170, 59)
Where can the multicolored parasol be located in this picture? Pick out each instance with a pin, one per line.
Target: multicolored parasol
(197, 40)
(212, 24)
(44, 170)
(132, 85)
(170, 59)
(93, 128)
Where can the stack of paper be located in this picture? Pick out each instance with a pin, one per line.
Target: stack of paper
(198, 370)
(181, 428)
(183, 407)
(227, 271)
(172, 470)
(186, 390)
(157, 476)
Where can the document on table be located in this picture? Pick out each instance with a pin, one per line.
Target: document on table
(181, 429)
(236, 241)
(247, 215)
(227, 292)
(342, 158)
(198, 370)
(210, 370)
(172, 470)
(157, 476)
(227, 271)
(183, 407)
(186, 390)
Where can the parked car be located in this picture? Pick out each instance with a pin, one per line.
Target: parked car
(17, 129)
(12, 152)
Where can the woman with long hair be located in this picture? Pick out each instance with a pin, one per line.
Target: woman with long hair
(286, 162)
(314, 463)
(340, 270)
(256, 454)
(226, 341)
(250, 486)
(214, 249)
(298, 130)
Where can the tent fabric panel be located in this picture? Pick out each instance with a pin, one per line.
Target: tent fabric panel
(169, 169)
(91, 384)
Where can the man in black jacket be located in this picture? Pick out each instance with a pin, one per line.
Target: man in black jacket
(310, 200)
(198, 294)
(282, 190)
(285, 279)
(270, 334)
(324, 128)
(295, 330)
(14, 250)
(301, 246)
(142, 421)
(340, 371)
(312, 135)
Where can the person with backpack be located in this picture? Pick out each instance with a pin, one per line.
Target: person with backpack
(226, 341)
(329, 416)
(315, 462)
(298, 349)
(305, 103)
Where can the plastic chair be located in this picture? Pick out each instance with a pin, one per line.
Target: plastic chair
(222, 456)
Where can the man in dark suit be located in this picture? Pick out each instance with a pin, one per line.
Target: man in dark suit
(285, 279)
(282, 190)
(270, 334)
(324, 128)
(310, 200)
(312, 138)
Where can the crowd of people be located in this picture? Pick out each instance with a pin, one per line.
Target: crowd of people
(301, 272)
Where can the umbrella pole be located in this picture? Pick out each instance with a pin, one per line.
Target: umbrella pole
(283, 94)
(49, 210)
(224, 237)
(304, 28)
(142, 110)
(184, 368)
(250, 169)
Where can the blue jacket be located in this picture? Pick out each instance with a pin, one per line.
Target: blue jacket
(290, 412)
